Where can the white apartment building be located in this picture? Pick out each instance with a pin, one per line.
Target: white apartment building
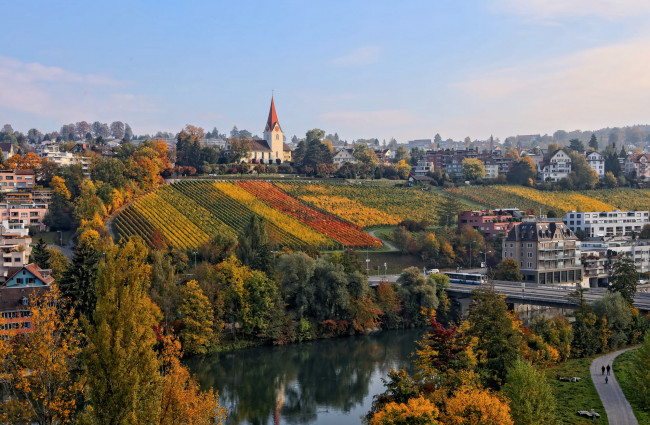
(606, 223)
(52, 153)
(423, 167)
(597, 163)
(14, 246)
(556, 168)
(491, 170)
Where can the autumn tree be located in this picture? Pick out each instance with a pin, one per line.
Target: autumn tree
(182, 401)
(473, 169)
(403, 169)
(529, 395)
(469, 406)
(59, 215)
(589, 332)
(388, 301)
(522, 171)
(122, 369)
(197, 333)
(38, 368)
(416, 411)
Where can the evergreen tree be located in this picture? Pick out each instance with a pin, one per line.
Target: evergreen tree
(529, 394)
(624, 278)
(593, 142)
(448, 211)
(78, 282)
(254, 249)
(498, 338)
(40, 255)
(122, 369)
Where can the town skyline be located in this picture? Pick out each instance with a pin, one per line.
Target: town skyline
(485, 67)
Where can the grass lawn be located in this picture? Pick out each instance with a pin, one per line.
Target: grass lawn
(622, 366)
(53, 238)
(573, 396)
(395, 261)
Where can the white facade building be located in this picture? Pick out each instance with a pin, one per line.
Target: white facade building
(556, 168)
(606, 223)
(491, 170)
(597, 163)
(423, 167)
(343, 156)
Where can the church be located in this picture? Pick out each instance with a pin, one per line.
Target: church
(272, 149)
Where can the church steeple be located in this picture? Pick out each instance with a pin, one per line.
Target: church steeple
(273, 118)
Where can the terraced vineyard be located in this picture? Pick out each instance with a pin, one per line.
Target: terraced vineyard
(329, 215)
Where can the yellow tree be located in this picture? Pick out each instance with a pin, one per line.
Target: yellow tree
(197, 333)
(37, 367)
(59, 187)
(403, 169)
(417, 411)
(182, 401)
(474, 406)
(122, 369)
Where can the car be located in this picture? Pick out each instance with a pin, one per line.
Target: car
(431, 271)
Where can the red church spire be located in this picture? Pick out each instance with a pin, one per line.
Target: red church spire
(273, 117)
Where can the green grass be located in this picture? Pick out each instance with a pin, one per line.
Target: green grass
(53, 238)
(622, 366)
(573, 396)
(395, 261)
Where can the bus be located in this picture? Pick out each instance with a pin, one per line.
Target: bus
(467, 278)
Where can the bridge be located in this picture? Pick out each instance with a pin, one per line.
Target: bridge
(521, 293)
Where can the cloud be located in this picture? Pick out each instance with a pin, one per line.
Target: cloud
(362, 56)
(552, 9)
(31, 92)
(608, 85)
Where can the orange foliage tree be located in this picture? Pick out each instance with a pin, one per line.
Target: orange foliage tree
(417, 411)
(473, 406)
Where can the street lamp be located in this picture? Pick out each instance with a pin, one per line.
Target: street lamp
(367, 261)
(61, 237)
(194, 258)
(385, 270)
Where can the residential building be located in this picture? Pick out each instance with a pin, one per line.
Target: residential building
(423, 167)
(547, 252)
(606, 223)
(420, 144)
(53, 153)
(491, 223)
(638, 164)
(491, 169)
(383, 155)
(556, 168)
(598, 257)
(17, 292)
(344, 155)
(15, 247)
(31, 214)
(11, 180)
(8, 150)
(597, 163)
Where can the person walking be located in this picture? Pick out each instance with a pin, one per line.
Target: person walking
(603, 369)
(608, 368)
(606, 379)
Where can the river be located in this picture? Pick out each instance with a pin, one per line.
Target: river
(319, 383)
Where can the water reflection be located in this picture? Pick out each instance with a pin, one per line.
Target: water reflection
(324, 382)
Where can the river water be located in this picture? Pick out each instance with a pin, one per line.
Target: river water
(320, 383)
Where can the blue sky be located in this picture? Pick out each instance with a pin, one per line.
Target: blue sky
(403, 69)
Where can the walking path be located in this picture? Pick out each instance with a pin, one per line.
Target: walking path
(619, 411)
(390, 246)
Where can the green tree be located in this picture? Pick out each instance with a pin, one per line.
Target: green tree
(529, 395)
(163, 289)
(589, 332)
(254, 249)
(593, 142)
(640, 372)
(403, 240)
(497, 338)
(582, 176)
(473, 169)
(417, 293)
(522, 171)
(448, 211)
(78, 282)
(617, 313)
(197, 334)
(296, 271)
(623, 279)
(122, 369)
(508, 269)
(576, 145)
(40, 255)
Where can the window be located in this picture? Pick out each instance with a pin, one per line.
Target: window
(530, 255)
(277, 137)
(530, 265)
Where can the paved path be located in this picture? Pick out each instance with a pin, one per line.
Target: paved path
(619, 411)
(390, 246)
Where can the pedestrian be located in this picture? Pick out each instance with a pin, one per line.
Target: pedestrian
(608, 368)
(606, 379)
(603, 369)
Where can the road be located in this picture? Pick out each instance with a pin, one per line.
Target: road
(540, 293)
(619, 411)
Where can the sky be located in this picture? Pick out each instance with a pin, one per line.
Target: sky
(403, 69)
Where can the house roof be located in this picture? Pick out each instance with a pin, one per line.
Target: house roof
(11, 298)
(541, 231)
(273, 117)
(286, 147)
(32, 268)
(6, 147)
(259, 146)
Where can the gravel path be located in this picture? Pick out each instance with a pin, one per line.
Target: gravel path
(390, 246)
(619, 411)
